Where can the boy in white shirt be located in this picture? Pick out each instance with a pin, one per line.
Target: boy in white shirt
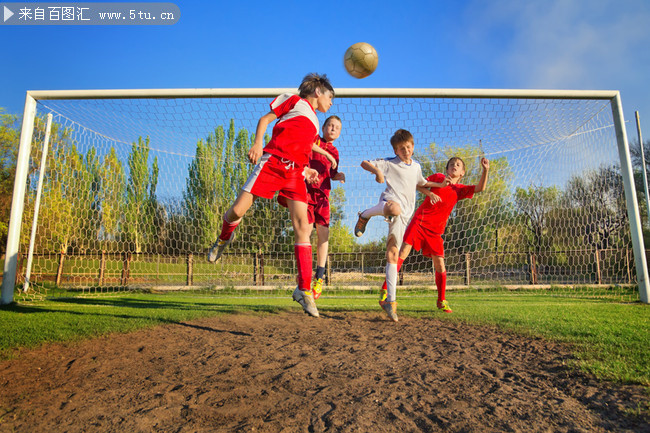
(402, 176)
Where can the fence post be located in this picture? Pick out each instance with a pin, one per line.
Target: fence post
(19, 269)
(256, 260)
(328, 272)
(627, 265)
(126, 265)
(468, 258)
(190, 269)
(362, 256)
(533, 268)
(261, 268)
(599, 278)
(102, 268)
(59, 271)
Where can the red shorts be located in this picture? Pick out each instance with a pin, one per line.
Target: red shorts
(319, 210)
(273, 174)
(424, 240)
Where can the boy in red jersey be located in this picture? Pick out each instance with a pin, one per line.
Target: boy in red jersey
(430, 219)
(282, 168)
(319, 195)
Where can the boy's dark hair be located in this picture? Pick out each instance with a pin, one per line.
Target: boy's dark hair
(400, 136)
(334, 116)
(314, 81)
(454, 159)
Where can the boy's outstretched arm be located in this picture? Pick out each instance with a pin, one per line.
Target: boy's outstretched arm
(256, 150)
(442, 184)
(482, 183)
(434, 198)
(316, 148)
(368, 166)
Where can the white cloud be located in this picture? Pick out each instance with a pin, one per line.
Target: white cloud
(562, 43)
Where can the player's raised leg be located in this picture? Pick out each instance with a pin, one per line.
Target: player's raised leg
(231, 220)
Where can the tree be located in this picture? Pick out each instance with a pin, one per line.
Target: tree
(9, 137)
(534, 205)
(140, 196)
(341, 238)
(90, 196)
(112, 198)
(598, 201)
(64, 200)
(203, 203)
(635, 154)
(637, 164)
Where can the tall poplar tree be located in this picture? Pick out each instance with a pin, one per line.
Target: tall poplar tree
(112, 198)
(140, 187)
(204, 202)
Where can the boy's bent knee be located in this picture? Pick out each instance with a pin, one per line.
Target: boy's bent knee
(392, 209)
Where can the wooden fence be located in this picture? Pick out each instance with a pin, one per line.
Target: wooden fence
(611, 266)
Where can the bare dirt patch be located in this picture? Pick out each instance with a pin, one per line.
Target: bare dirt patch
(344, 372)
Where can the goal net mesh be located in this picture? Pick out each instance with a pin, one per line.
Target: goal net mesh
(134, 192)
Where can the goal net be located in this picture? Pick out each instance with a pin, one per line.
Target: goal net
(134, 189)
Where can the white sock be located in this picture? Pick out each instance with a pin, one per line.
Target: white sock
(391, 282)
(377, 209)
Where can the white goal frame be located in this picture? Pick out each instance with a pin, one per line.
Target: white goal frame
(11, 258)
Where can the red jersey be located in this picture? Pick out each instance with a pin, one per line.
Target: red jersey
(324, 168)
(434, 216)
(295, 131)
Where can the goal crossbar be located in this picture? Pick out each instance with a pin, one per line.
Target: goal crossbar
(344, 92)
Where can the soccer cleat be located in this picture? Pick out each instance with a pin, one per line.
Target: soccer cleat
(317, 288)
(306, 300)
(444, 306)
(390, 308)
(217, 248)
(360, 226)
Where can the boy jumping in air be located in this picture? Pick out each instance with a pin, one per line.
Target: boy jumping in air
(318, 211)
(283, 168)
(319, 195)
(424, 232)
(402, 175)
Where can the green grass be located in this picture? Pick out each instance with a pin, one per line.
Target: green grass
(609, 339)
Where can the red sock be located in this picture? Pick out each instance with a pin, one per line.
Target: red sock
(400, 261)
(303, 263)
(441, 284)
(227, 228)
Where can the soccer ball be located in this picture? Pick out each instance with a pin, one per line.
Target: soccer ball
(360, 60)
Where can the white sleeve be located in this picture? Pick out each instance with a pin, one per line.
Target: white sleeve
(380, 163)
(421, 179)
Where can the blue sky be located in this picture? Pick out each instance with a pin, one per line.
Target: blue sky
(547, 44)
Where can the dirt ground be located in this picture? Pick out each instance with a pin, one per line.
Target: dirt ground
(344, 372)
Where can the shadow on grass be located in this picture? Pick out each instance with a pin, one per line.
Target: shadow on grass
(116, 306)
(145, 304)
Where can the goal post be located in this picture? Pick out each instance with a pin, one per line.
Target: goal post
(18, 201)
(512, 126)
(631, 199)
